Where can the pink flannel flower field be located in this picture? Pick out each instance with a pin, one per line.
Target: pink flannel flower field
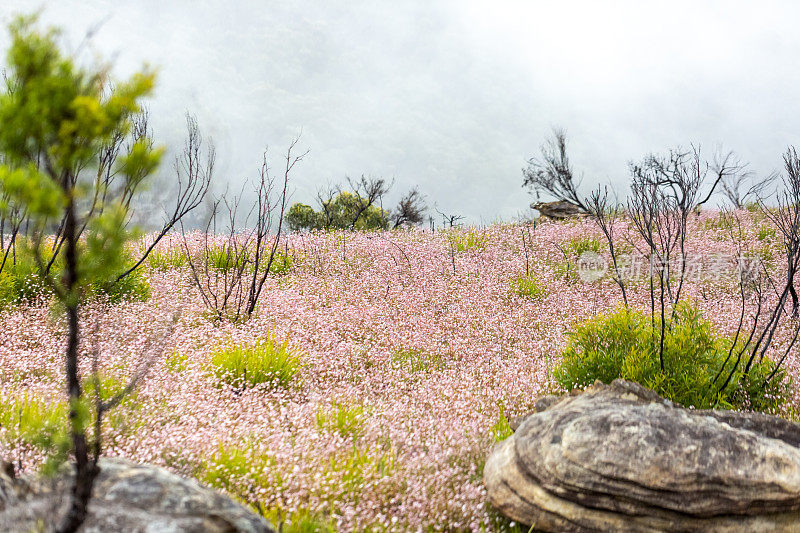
(412, 351)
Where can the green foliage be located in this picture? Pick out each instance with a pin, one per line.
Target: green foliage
(529, 286)
(301, 521)
(177, 361)
(566, 270)
(472, 239)
(227, 258)
(31, 421)
(170, 259)
(34, 422)
(133, 287)
(352, 469)
(267, 362)
(580, 245)
(230, 465)
(302, 217)
(337, 213)
(623, 344)
(249, 474)
(56, 119)
(765, 233)
(21, 280)
(346, 419)
(416, 361)
(721, 223)
(501, 429)
(109, 386)
(283, 262)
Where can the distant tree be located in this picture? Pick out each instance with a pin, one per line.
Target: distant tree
(410, 210)
(357, 209)
(54, 126)
(553, 174)
(303, 217)
(742, 188)
(346, 210)
(450, 219)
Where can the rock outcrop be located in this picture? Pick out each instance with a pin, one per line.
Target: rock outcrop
(558, 210)
(127, 497)
(620, 458)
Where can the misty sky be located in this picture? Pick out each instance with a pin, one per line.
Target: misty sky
(454, 96)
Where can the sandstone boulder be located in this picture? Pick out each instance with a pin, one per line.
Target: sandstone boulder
(620, 458)
(557, 210)
(127, 497)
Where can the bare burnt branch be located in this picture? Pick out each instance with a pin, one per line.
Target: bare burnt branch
(367, 191)
(267, 205)
(231, 288)
(553, 174)
(325, 199)
(450, 220)
(605, 214)
(194, 169)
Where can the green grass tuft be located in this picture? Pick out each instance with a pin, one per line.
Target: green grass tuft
(20, 280)
(471, 239)
(529, 286)
(416, 361)
(346, 419)
(580, 245)
(501, 429)
(170, 259)
(268, 362)
(177, 361)
(766, 233)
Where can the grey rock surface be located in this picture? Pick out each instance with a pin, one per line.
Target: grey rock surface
(557, 210)
(128, 497)
(620, 458)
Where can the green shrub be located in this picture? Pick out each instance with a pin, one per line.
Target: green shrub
(472, 239)
(623, 344)
(347, 419)
(19, 279)
(265, 362)
(723, 222)
(301, 521)
(283, 263)
(32, 421)
(529, 286)
(170, 259)
(242, 471)
(226, 259)
(356, 466)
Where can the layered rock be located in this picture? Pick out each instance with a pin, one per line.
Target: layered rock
(558, 210)
(127, 497)
(619, 457)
